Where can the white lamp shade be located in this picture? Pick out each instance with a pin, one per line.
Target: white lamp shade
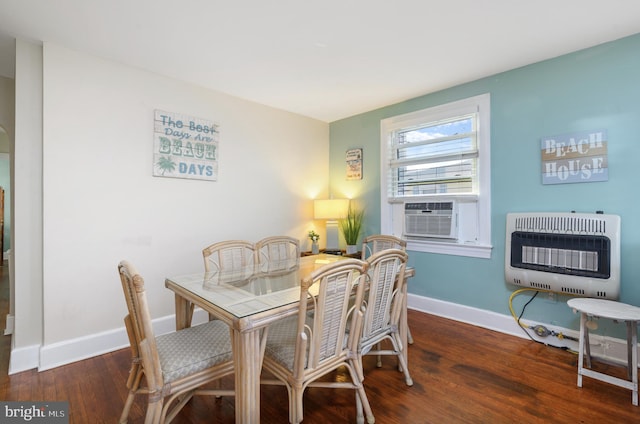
(330, 208)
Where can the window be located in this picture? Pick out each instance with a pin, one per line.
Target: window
(434, 158)
(440, 154)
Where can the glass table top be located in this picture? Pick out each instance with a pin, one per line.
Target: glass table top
(254, 289)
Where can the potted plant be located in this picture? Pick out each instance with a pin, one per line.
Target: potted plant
(351, 227)
(313, 236)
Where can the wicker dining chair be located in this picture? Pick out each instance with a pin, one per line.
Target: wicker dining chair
(377, 242)
(175, 365)
(383, 308)
(229, 255)
(322, 337)
(278, 253)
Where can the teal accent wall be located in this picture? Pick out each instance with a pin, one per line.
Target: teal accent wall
(597, 88)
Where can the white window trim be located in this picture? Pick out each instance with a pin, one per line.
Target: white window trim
(482, 247)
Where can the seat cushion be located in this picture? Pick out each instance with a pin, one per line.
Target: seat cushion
(193, 349)
(281, 341)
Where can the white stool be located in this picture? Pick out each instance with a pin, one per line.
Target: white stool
(615, 311)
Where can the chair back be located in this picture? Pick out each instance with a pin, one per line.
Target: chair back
(376, 243)
(230, 255)
(138, 324)
(278, 253)
(332, 334)
(383, 301)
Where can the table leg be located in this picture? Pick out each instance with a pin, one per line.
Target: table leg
(581, 345)
(587, 344)
(183, 313)
(632, 346)
(248, 365)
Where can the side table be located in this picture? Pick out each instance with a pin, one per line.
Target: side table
(356, 255)
(618, 312)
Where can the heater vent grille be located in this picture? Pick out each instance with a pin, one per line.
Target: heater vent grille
(561, 224)
(577, 254)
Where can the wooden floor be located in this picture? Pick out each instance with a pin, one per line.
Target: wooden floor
(461, 374)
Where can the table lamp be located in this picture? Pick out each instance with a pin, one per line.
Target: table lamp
(331, 210)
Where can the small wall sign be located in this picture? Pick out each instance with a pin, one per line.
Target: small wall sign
(575, 158)
(185, 147)
(354, 164)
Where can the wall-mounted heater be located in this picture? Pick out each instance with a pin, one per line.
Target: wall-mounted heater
(571, 253)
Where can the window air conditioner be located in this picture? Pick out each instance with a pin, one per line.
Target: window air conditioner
(431, 220)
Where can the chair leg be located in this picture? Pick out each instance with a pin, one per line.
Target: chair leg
(296, 412)
(362, 404)
(409, 336)
(154, 413)
(135, 376)
(363, 408)
(359, 413)
(405, 369)
(398, 349)
(127, 406)
(359, 366)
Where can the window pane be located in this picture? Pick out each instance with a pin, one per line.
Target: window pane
(432, 178)
(448, 146)
(430, 131)
(435, 158)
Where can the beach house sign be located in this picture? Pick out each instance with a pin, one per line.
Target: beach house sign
(185, 147)
(575, 158)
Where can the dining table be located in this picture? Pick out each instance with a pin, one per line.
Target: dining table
(249, 299)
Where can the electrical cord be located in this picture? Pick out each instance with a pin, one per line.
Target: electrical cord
(524, 327)
(540, 330)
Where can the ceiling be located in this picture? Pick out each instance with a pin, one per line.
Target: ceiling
(327, 59)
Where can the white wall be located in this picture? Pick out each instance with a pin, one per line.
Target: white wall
(27, 205)
(101, 203)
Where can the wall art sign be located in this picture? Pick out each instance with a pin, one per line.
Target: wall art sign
(575, 158)
(354, 164)
(185, 147)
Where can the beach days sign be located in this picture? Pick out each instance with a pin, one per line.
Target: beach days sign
(185, 147)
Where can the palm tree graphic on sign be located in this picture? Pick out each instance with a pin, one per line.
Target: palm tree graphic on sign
(165, 164)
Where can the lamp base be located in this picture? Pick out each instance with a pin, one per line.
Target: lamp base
(332, 237)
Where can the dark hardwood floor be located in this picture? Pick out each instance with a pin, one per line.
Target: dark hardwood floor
(461, 374)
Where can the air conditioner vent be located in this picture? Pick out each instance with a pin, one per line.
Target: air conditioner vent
(430, 220)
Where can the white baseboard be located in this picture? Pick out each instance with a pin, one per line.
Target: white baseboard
(606, 348)
(9, 325)
(56, 354)
(23, 359)
(62, 353)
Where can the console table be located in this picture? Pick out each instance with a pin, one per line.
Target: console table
(356, 255)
